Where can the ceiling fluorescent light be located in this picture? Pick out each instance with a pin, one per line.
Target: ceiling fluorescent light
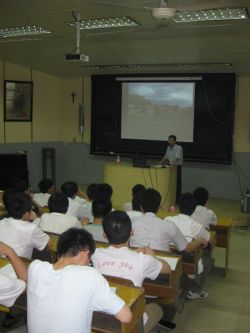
(23, 31)
(138, 66)
(213, 14)
(106, 23)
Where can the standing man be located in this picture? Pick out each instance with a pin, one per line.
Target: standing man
(174, 157)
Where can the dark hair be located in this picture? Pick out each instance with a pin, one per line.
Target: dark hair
(58, 202)
(18, 204)
(187, 204)
(201, 196)
(73, 241)
(69, 189)
(150, 200)
(137, 188)
(104, 190)
(7, 195)
(92, 191)
(136, 201)
(172, 137)
(45, 184)
(21, 185)
(117, 227)
(101, 207)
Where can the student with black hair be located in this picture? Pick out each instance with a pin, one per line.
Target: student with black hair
(118, 260)
(56, 221)
(86, 200)
(128, 206)
(76, 207)
(192, 230)
(101, 207)
(46, 187)
(17, 231)
(136, 211)
(202, 213)
(63, 296)
(149, 229)
(104, 190)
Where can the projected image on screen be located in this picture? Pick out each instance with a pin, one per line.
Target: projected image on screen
(154, 110)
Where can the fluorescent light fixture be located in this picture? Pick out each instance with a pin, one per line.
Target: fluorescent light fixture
(106, 23)
(23, 31)
(170, 65)
(213, 14)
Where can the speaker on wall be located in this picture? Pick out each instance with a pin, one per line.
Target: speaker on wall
(81, 119)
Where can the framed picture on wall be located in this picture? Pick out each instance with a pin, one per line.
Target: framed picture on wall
(18, 96)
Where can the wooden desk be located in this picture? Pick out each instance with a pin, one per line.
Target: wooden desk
(122, 177)
(223, 237)
(134, 297)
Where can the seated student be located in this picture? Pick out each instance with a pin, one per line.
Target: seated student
(104, 190)
(11, 288)
(46, 187)
(70, 189)
(136, 207)
(101, 208)
(56, 221)
(87, 200)
(135, 189)
(17, 231)
(202, 214)
(118, 260)
(149, 230)
(63, 296)
(193, 230)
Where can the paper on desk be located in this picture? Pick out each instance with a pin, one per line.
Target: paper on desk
(171, 261)
(8, 270)
(113, 289)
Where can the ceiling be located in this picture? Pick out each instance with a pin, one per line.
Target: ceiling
(217, 42)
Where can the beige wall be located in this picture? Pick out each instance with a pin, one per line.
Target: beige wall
(55, 117)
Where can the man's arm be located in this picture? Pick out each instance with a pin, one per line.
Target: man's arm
(17, 263)
(195, 244)
(124, 315)
(166, 269)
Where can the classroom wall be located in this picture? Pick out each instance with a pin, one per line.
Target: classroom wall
(55, 124)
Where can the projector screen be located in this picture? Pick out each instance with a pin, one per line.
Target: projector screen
(154, 110)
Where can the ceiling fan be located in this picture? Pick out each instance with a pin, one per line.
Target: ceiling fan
(165, 13)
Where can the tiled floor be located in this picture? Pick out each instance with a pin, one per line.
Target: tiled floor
(227, 309)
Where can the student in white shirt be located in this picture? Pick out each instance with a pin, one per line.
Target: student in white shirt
(202, 214)
(76, 208)
(127, 206)
(101, 208)
(56, 221)
(118, 260)
(87, 200)
(11, 288)
(17, 231)
(151, 230)
(63, 296)
(136, 212)
(193, 230)
(46, 187)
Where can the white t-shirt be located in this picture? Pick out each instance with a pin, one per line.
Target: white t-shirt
(134, 215)
(78, 209)
(58, 222)
(175, 153)
(149, 230)
(204, 216)
(10, 289)
(125, 263)
(64, 300)
(97, 231)
(127, 206)
(22, 236)
(42, 198)
(189, 228)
